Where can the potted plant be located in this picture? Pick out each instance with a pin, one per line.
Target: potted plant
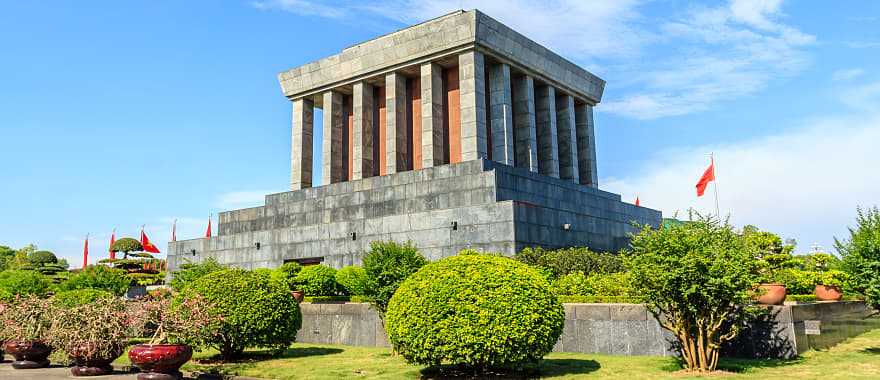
(773, 257)
(177, 327)
(92, 334)
(828, 285)
(25, 329)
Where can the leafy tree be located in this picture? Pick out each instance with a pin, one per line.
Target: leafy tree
(774, 256)
(190, 272)
(135, 263)
(861, 255)
(387, 265)
(695, 277)
(7, 258)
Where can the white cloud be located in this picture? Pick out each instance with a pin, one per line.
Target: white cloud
(796, 183)
(847, 74)
(242, 199)
(302, 7)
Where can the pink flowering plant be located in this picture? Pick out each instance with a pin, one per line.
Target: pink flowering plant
(92, 331)
(26, 319)
(189, 321)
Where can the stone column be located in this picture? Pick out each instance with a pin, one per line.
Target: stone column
(432, 114)
(472, 87)
(501, 109)
(362, 100)
(524, 136)
(332, 159)
(301, 144)
(545, 122)
(586, 143)
(568, 158)
(396, 151)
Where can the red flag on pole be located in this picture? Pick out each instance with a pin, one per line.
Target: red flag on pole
(112, 240)
(174, 230)
(145, 241)
(637, 202)
(208, 231)
(86, 252)
(708, 176)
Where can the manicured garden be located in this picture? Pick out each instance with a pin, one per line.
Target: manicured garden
(476, 313)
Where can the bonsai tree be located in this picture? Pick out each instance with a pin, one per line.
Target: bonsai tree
(387, 265)
(92, 328)
(47, 264)
(134, 262)
(773, 255)
(695, 278)
(861, 255)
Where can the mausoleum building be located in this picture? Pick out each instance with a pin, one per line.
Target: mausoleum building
(455, 133)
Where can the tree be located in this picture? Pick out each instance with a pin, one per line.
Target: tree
(773, 255)
(695, 278)
(135, 262)
(861, 255)
(387, 265)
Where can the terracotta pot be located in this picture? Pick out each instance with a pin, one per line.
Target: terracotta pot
(160, 361)
(298, 295)
(28, 353)
(94, 366)
(773, 294)
(828, 293)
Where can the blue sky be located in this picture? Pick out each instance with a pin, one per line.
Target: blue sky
(117, 114)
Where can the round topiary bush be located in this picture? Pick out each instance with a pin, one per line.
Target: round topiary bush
(352, 279)
(257, 310)
(317, 280)
(40, 258)
(79, 297)
(481, 311)
(126, 245)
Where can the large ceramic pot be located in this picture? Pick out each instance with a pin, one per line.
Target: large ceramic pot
(28, 353)
(94, 366)
(828, 293)
(160, 361)
(771, 294)
(298, 295)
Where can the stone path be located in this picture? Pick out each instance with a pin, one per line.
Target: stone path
(51, 373)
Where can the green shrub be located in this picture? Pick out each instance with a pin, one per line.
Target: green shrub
(98, 277)
(564, 261)
(287, 272)
(832, 278)
(601, 299)
(597, 284)
(40, 258)
(190, 272)
(387, 265)
(797, 281)
(317, 280)
(480, 311)
(861, 255)
(800, 297)
(694, 278)
(818, 262)
(23, 283)
(257, 310)
(352, 279)
(79, 297)
(572, 284)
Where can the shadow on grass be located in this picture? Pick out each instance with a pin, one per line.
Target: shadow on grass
(262, 355)
(546, 368)
(744, 365)
(871, 350)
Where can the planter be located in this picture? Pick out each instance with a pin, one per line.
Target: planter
(28, 353)
(160, 361)
(773, 294)
(828, 293)
(94, 366)
(298, 295)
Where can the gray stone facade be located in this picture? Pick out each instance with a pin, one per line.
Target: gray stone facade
(624, 329)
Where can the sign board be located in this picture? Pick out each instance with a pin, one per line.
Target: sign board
(813, 327)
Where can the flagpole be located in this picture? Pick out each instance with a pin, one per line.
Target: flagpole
(715, 184)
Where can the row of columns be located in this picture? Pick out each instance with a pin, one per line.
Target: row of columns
(476, 111)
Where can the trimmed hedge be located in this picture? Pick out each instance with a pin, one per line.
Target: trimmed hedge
(601, 299)
(480, 311)
(563, 261)
(257, 310)
(335, 299)
(317, 280)
(353, 280)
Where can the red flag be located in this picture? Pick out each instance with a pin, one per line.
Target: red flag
(145, 241)
(708, 176)
(637, 202)
(174, 230)
(208, 231)
(112, 240)
(86, 253)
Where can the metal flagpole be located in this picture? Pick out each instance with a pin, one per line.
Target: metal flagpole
(715, 184)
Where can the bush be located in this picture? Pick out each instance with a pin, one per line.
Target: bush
(98, 277)
(79, 297)
(564, 261)
(480, 311)
(94, 330)
(798, 281)
(257, 311)
(597, 284)
(190, 272)
(22, 283)
(695, 275)
(387, 265)
(27, 318)
(601, 299)
(317, 280)
(861, 255)
(40, 258)
(287, 272)
(352, 279)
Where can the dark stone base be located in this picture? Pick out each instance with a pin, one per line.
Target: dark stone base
(29, 364)
(160, 376)
(91, 371)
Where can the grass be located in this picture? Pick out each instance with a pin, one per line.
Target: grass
(856, 358)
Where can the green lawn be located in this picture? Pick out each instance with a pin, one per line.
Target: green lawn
(857, 358)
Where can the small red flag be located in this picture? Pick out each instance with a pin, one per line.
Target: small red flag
(145, 242)
(112, 240)
(637, 202)
(708, 176)
(86, 253)
(208, 231)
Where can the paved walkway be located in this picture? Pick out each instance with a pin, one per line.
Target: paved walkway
(51, 373)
